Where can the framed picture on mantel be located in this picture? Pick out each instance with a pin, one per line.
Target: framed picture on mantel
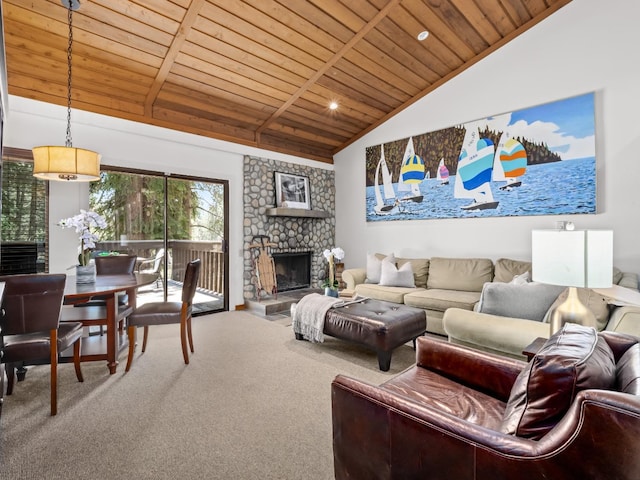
(292, 191)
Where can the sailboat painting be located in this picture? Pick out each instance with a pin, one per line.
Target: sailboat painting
(534, 161)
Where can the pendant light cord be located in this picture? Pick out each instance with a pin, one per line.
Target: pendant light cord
(68, 142)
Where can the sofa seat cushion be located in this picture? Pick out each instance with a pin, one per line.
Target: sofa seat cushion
(439, 299)
(573, 359)
(465, 274)
(428, 388)
(381, 292)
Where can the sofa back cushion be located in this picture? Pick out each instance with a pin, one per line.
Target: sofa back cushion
(466, 274)
(420, 267)
(573, 359)
(506, 269)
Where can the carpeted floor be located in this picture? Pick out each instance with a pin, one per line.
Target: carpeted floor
(253, 404)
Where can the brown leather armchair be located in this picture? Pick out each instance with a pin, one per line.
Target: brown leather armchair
(451, 416)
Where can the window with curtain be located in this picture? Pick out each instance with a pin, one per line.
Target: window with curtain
(24, 235)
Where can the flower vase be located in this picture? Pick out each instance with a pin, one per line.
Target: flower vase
(86, 273)
(330, 292)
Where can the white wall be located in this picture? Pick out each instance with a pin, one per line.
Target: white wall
(589, 45)
(130, 144)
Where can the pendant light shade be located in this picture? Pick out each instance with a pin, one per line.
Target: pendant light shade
(67, 163)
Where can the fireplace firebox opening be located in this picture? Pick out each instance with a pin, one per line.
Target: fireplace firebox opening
(293, 270)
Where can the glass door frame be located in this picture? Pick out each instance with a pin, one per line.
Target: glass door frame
(224, 243)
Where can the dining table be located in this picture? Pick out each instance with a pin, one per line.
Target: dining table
(105, 287)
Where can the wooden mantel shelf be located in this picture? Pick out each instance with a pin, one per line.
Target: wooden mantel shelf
(296, 212)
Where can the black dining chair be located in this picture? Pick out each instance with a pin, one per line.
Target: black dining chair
(162, 313)
(115, 264)
(30, 330)
(107, 265)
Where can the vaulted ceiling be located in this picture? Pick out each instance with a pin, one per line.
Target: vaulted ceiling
(256, 72)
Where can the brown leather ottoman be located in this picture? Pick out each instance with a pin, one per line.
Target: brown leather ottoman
(379, 325)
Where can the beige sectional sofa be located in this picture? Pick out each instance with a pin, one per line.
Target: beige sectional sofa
(440, 283)
(450, 289)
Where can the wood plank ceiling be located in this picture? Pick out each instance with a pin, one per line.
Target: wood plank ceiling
(256, 72)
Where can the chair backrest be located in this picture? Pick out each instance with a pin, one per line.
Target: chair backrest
(190, 281)
(158, 260)
(31, 303)
(115, 264)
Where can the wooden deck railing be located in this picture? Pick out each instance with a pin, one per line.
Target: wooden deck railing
(180, 253)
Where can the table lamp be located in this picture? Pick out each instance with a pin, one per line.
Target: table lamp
(579, 258)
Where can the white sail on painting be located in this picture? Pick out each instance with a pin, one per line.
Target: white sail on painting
(411, 174)
(382, 208)
(475, 164)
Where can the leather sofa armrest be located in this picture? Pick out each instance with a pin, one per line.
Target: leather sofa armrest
(380, 434)
(384, 435)
(353, 277)
(484, 371)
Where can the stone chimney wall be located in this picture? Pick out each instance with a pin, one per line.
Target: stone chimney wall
(291, 234)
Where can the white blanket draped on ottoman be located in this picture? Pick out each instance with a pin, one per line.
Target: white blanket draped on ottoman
(308, 315)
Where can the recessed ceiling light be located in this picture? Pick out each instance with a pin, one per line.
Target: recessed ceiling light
(423, 35)
(333, 106)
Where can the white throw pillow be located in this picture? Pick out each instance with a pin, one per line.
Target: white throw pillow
(374, 266)
(520, 279)
(392, 276)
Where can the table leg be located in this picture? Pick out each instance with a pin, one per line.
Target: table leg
(112, 332)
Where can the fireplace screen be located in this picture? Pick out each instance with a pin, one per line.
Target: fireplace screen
(293, 270)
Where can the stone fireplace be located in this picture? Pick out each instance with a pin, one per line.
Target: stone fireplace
(299, 235)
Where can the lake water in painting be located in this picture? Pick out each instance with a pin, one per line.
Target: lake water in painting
(567, 187)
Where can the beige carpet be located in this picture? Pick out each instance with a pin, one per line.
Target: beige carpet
(253, 404)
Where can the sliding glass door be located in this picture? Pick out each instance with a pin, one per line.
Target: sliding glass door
(167, 222)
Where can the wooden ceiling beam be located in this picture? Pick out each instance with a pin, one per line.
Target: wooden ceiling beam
(335, 58)
(173, 52)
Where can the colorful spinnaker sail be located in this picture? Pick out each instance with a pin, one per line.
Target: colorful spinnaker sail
(510, 161)
(411, 173)
(442, 173)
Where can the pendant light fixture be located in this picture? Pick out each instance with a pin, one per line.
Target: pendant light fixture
(67, 163)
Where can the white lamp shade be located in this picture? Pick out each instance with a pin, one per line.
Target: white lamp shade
(582, 258)
(66, 163)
